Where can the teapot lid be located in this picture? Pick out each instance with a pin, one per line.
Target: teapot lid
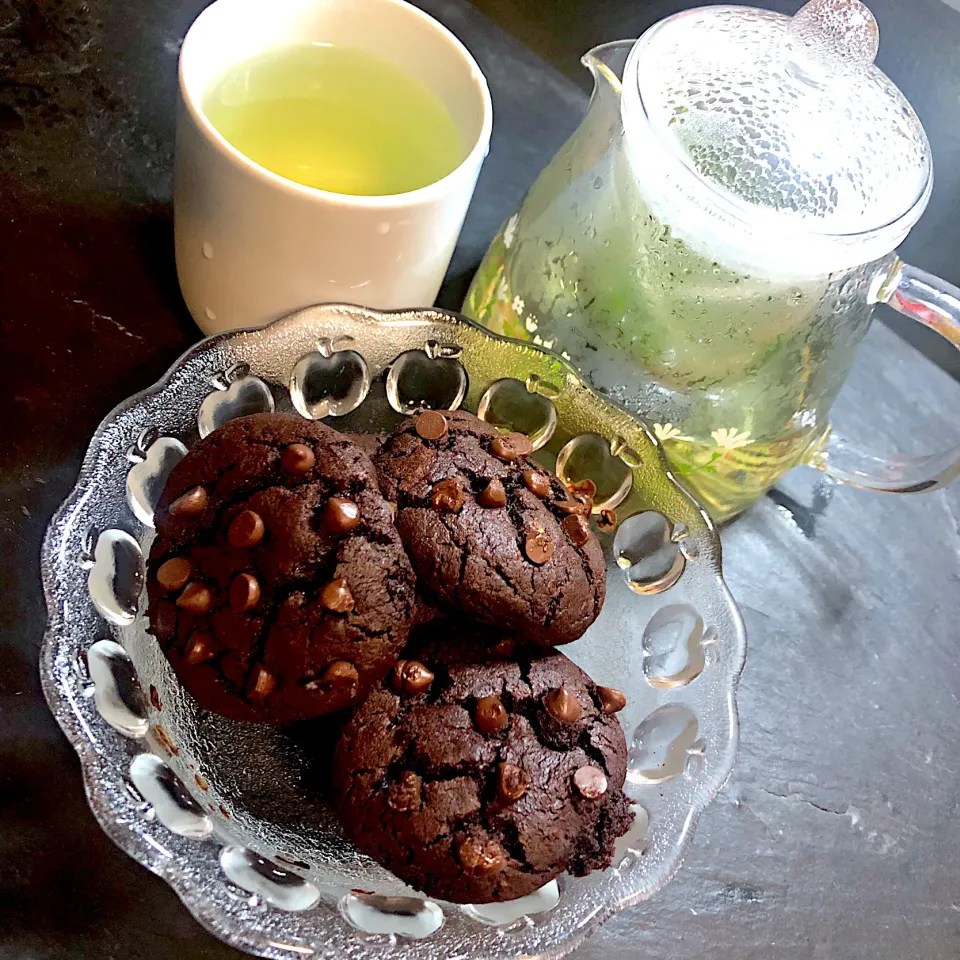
(787, 117)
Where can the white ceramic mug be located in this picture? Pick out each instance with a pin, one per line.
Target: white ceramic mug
(252, 245)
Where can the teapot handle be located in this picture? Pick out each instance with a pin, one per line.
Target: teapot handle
(936, 304)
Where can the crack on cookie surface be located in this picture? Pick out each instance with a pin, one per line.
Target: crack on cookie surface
(433, 735)
(292, 564)
(474, 561)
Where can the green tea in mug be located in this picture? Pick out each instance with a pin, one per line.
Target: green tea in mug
(336, 118)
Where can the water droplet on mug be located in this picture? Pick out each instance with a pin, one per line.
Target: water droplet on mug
(210, 314)
(208, 253)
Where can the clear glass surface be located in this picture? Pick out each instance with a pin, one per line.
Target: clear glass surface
(708, 246)
(225, 812)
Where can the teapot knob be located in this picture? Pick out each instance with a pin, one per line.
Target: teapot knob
(832, 39)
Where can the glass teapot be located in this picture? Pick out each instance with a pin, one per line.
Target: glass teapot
(708, 246)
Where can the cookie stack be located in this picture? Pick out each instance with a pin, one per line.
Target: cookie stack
(420, 581)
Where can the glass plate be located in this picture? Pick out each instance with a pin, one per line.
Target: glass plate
(228, 813)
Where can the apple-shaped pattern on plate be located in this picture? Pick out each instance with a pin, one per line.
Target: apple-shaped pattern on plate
(115, 580)
(153, 458)
(264, 878)
(592, 457)
(674, 644)
(645, 547)
(330, 381)
(527, 408)
(662, 745)
(432, 378)
(237, 394)
(171, 801)
(117, 693)
(505, 915)
(400, 916)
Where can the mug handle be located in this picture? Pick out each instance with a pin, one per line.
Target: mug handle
(936, 304)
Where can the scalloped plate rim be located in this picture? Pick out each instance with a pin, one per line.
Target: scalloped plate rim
(126, 835)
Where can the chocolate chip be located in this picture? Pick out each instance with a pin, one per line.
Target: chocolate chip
(577, 528)
(586, 500)
(431, 425)
(493, 494)
(562, 705)
(392, 906)
(416, 677)
(607, 520)
(404, 795)
(481, 856)
(298, 458)
(586, 487)
(512, 782)
(511, 446)
(174, 573)
(244, 592)
(199, 649)
(196, 598)
(503, 449)
(569, 507)
(341, 674)
(246, 529)
(396, 675)
(538, 546)
(193, 501)
(336, 596)
(447, 495)
(261, 684)
(490, 715)
(521, 443)
(411, 676)
(537, 483)
(590, 782)
(611, 700)
(340, 515)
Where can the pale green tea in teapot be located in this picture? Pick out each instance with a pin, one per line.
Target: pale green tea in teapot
(708, 246)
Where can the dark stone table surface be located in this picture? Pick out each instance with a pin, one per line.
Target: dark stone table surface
(838, 837)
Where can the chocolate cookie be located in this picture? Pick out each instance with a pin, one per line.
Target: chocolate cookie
(279, 588)
(369, 443)
(478, 779)
(491, 533)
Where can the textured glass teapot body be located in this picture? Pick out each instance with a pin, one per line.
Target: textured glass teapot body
(734, 363)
